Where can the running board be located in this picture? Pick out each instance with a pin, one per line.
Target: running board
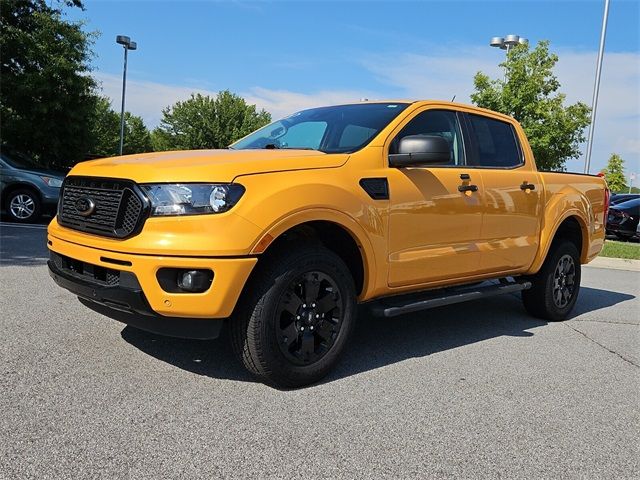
(394, 306)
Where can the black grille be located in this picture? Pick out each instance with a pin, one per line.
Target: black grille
(119, 207)
(86, 271)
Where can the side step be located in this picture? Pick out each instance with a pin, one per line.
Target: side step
(401, 304)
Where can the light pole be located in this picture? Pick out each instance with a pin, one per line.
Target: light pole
(128, 45)
(596, 86)
(506, 43)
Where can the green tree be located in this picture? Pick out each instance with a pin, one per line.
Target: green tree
(529, 94)
(105, 132)
(207, 122)
(47, 94)
(614, 174)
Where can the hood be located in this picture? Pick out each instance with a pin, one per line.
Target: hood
(43, 172)
(205, 165)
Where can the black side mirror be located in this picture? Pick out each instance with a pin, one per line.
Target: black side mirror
(418, 150)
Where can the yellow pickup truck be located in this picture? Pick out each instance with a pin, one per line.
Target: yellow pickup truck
(400, 205)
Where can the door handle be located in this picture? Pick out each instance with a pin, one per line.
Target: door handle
(467, 188)
(527, 186)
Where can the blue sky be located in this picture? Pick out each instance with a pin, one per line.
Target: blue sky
(285, 56)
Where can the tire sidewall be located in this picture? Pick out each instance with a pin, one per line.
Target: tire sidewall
(555, 312)
(317, 261)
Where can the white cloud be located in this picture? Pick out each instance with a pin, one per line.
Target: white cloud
(143, 98)
(440, 76)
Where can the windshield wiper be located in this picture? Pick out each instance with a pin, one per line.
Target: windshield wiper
(273, 146)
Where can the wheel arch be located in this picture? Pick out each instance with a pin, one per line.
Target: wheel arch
(9, 189)
(572, 226)
(336, 231)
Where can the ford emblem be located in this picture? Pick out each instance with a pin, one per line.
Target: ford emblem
(84, 206)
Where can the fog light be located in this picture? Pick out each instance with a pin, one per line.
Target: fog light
(194, 280)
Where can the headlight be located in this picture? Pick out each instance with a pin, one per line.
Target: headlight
(192, 198)
(52, 182)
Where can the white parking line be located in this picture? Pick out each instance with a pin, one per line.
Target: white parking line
(34, 226)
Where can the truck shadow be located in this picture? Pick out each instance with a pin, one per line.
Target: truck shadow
(379, 342)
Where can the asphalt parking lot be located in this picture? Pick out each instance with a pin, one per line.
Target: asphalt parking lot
(478, 390)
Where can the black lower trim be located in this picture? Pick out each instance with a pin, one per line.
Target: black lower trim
(415, 302)
(128, 304)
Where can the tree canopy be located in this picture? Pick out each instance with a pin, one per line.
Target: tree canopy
(529, 94)
(105, 132)
(614, 174)
(207, 122)
(47, 94)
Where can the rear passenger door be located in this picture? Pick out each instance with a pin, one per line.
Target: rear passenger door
(512, 195)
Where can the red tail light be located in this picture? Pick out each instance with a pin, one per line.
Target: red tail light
(607, 197)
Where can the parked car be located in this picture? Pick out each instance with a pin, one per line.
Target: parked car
(27, 190)
(622, 197)
(622, 220)
(402, 205)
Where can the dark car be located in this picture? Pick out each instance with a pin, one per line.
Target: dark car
(617, 198)
(27, 190)
(623, 219)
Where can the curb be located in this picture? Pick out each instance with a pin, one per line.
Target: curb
(615, 264)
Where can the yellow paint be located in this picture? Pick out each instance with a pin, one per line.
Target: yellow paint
(427, 234)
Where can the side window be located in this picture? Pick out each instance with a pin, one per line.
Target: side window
(496, 142)
(442, 123)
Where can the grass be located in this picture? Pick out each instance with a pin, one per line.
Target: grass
(615, 249)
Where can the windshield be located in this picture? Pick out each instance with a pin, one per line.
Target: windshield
(18, 160)
(340, 129)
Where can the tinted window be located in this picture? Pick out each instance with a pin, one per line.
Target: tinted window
(495, 142)
(305, 134)
(441, 123)
(344, 128)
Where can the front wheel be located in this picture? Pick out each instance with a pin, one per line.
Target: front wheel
(23, 206)
(555, 287)
(295, 316)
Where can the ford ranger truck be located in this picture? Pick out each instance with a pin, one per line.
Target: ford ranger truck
(400, 205)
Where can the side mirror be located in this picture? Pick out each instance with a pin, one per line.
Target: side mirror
(418, 150)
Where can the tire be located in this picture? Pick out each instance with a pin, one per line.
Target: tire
(23, 205)
(279, 337)
(556, 286)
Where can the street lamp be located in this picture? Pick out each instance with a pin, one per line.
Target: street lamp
(596, 86)
(506, 43)
(128, 45)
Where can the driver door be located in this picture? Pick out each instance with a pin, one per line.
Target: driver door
(433, 226)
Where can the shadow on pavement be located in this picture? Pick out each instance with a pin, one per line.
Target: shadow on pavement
(379, 342)
(24, 245)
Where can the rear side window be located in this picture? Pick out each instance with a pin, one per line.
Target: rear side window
(496, 144)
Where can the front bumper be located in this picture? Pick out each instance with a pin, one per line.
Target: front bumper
(138, 290)
(128, 305)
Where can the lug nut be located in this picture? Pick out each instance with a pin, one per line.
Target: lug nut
(311, 327)
(304, 305)
(317, 316)
(298, 317)
(313, 305)
(302, 329)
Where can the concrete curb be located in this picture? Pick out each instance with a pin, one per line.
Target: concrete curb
(615, 264)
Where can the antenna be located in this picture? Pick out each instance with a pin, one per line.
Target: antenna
(454, 97)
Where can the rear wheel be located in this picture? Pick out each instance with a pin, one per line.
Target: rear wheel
(555, 287)
(295, 317)
(23, 206)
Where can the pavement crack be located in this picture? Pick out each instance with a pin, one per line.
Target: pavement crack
(602, 346)
(603, 321)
